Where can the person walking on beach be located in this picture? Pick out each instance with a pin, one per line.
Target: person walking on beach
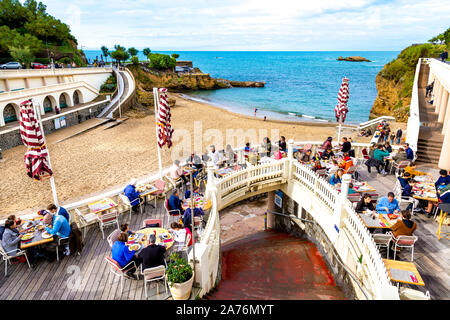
(398, 135)
(256, 109)
(444, 55)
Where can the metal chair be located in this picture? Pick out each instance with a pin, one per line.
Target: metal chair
(7, 257)
(198, 224)
(108, 219)
(404, 242)
(85, 220)
(113, 235)
(127, 202)
(61, 241)
(170, 213)
(117, 270)
(398, 167)
(154, 274)
(161, 193)
(383, 240)
(186, 244)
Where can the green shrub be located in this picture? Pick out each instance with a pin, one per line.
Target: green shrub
(178, 270)
(161, 61)
(135, 60)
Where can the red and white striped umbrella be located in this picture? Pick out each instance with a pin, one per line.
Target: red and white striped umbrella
(165, 130)
(36, 157)
(341, 108)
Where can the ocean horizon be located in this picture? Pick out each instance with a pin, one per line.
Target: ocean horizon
(300, 85)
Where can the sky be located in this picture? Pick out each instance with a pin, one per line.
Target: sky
(253, 25)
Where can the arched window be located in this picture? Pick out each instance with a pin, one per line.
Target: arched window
(48, 107)
(76, 98)
(9, 113)
(62, 101)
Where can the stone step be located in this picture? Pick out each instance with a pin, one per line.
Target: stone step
(115, 123)
(95, 123)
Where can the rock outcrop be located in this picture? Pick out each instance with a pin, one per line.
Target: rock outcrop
(353, 58)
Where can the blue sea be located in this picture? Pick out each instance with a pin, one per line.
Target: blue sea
(299, 85)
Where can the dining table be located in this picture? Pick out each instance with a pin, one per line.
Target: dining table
(102, 205)
(140, 237)
(146, 190)
(38, 237)
(403, 272)
(425, 191)
(199, 202)
(377, 220)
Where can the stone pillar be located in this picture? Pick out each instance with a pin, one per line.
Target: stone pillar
(211, 183)
(447, 117)
(291, 149)
(271, 208)
(6, 85)
(27, 85)
(437, 98)
(338, 210)
(444, 160)
(443, 107)
(44, 83)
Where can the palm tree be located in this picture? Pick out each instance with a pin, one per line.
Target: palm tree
(105, 51)
(146, 52)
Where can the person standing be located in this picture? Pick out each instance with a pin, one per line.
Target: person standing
(398, 135)
(256, 109)
(444, 55)
(282, 144)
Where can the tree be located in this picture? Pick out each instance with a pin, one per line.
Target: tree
(133, 51)
(105, 52)
(22, 54)
(135, 60)
(120, 55)
(175, 55)
(146, 52)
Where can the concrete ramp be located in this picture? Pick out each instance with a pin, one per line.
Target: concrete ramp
(85, 127)
(115, 123)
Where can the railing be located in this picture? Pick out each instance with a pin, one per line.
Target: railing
(413, 126)
(11, 95)
(374, 122)
(50, 72)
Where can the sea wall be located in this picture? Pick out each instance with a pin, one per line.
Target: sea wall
(11, 139)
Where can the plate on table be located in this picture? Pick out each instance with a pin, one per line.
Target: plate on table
(392, 216)
(134, 246)
(27, 225)
(27, 236)
(132, 237)
(46, 235)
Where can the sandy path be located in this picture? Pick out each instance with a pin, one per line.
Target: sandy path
(102, 159)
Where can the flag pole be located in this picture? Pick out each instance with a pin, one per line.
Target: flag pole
(52, 179)
(156, 99)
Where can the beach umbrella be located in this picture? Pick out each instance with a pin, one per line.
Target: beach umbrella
(341, 108)
(37, 158)
(164, 129)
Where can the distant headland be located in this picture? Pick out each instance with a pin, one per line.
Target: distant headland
(353, 58)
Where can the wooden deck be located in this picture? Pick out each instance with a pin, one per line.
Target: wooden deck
(58, 280)
(431, 256)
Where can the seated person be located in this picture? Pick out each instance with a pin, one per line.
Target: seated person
(400, 156)
(277, 155)
(123, 256)
(387, 146)
(336, 179)
(187, 222)
(2, 228)
(132, 194)
(444, 194)
(411, 169)
(409, 152)
(267, 145)
(11, 238)
(388, 204)
(346, 145)
(196, 163)
(305, 157)
(350, 189)
(196, 191)
(175, 202)
(230, 155)
(215, 157)
(247, 150)
(327, 154)
(176, 172)
(365, 204)
(59, 226)
(346, 163)
(443, 180)
(405, 179)
(152, 255)
(404, 227)
(377, 160)
(123, 228)
(179, 235)
(282, 144)
(317, 165)
(58, 211)
(332, 166)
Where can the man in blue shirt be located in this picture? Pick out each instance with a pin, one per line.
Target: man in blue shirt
(409, 153)
(58, 211)
(187, 216)
(175, 203)
(443, 180)
(60, 227)
(388, 204)
(132, 194)
(404, 181)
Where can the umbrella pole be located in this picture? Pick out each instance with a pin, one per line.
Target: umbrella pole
(339, 132)
(156, 99)
(192, 220)
(52, 179)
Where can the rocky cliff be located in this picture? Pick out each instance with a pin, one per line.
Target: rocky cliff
(353, 58)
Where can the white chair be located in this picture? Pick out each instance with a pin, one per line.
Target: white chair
(127, 202)
(7, 257)
(171, 213)
(404, 242)
(383, 240)
(85, 220)
(198, 224)
(186, 244)
(154, 274)
(412, 294)
(403, 199)
(399, 167)
(322, 173)
(108, 219)
(113, 235)
(118, 271)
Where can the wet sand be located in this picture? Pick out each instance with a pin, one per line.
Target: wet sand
(100, 160)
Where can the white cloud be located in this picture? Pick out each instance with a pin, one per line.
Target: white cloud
(254, 24)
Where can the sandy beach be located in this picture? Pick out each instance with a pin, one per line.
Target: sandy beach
(100, 159)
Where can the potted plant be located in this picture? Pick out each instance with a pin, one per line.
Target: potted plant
(180, 277)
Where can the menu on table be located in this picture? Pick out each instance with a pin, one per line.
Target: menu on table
(403, 275)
